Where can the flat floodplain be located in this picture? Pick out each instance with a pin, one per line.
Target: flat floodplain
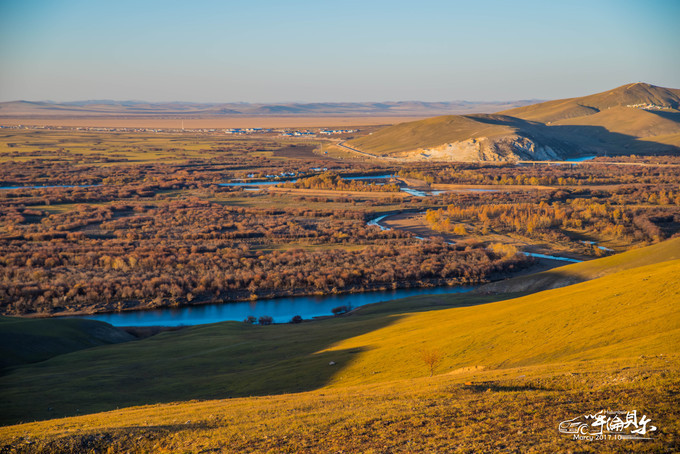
(208, 123)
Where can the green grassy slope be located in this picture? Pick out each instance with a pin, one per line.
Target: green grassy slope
(202, 362)
(628, 313)
(31, 340)
(621, 315)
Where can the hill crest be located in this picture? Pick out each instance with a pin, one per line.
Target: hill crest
(625, 120)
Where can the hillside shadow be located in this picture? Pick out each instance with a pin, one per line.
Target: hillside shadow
(218, 361)
(223, 360)
(532, 283)
(581, 139)
(668, 115)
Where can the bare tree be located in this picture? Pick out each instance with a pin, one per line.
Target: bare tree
(432, 358)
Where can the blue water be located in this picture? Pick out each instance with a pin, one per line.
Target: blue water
(599, 247)
(369, 177)
(376, 222)
(584, 158)
(551, 257)
(280, 309)
(417, 193)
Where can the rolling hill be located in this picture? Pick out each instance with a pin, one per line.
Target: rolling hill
(629, 312)
(511, 367)
(631, 119)
(24, 341)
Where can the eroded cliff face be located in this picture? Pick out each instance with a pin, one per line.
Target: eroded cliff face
(506, 148)
(526, 148)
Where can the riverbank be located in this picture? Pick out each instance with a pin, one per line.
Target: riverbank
(283, 307)
(282, 310)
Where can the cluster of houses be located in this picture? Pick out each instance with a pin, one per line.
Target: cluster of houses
(303, 133)
(247, 130)
(288, 132)
(280, 175)
(646, 106)
(325, 132)
(233, 131)
(330, 132)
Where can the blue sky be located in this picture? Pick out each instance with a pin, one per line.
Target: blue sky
(310, 51)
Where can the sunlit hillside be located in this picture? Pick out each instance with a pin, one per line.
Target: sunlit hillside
(613, 340)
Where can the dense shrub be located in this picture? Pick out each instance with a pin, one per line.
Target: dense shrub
(265, 320)
(340, 310)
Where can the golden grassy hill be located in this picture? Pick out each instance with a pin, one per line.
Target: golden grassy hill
(513, 410)
(621, 315)
(429, 133)
(621, 121)
(625, 95)
(509, 371)
(633, 122)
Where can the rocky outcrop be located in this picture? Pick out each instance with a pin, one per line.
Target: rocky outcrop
(506, 148)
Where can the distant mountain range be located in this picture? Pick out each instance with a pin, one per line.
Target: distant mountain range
(632, 119)
(141, 109)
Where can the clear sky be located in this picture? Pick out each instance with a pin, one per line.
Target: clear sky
(278, 50)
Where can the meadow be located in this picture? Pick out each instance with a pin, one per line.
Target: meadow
(510, 369)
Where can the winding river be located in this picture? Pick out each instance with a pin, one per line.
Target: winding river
(280, 309)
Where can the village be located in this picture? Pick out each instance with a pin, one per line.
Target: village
(309, 133)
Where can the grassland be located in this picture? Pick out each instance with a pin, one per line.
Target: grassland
(511, 369)
(24, 341)
(514, 410)
(110, 148)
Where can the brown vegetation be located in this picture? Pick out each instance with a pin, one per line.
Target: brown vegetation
(333, 181)
(122, 256)
(146, 233)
